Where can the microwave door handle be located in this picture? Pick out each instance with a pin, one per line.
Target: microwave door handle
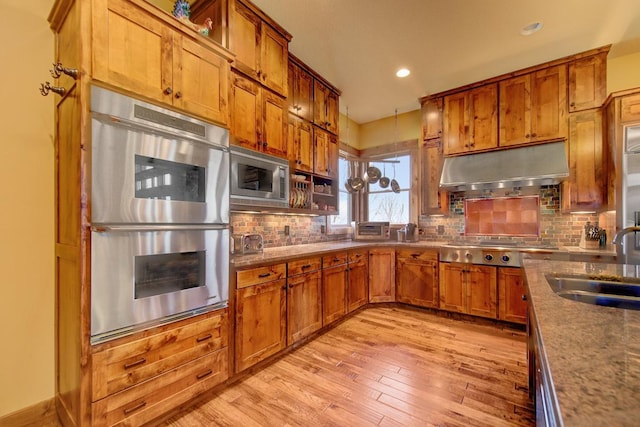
(169, 227)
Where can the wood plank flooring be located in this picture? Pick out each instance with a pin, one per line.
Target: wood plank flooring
(385, 366)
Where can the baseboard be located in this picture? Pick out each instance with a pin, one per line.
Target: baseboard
(40, 414)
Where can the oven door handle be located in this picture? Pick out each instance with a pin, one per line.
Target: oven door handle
(168, 227)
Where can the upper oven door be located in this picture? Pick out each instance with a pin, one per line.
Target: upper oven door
(140, 175)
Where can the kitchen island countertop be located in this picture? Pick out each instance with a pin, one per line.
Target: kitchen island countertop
(592, 352)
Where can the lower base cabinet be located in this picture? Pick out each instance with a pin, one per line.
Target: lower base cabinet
(137, 379)
(358, 279)
(382, 275)
(512, 304)
(468, 288)
(334, 287)
(417, 277)
(304, 298)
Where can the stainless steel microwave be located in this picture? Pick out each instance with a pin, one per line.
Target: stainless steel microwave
(258, 179)
(373, 230)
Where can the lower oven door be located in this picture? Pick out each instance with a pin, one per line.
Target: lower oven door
(142, 277)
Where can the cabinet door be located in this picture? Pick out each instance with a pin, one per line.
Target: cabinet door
(304, 306)
(586, 186)
(587, 82)
(200, 81)
(417, 282)
(358, 286)
(331, 105)
(246, 112)
(143, 67)
(456, 124)
(244, 38)
(483, 117)
(431, 111)
(304, 146)
(481, 291)
(549, 104)
(515, 110)
(304, 95)
(274, 60)
(452, 287)
(260, 322)
(334, 288)
(321, 155)
(382, 278)
(434, 200)
(512, 306)
(273, 137)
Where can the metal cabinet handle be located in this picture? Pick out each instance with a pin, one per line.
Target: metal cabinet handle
(204, 338)
(306, 266)
(178, 94)
(524, 297)
(136, 363)
(46, 87)
(263, 275)
(134, 408)
(204, 374)
(58, 70)
(168, 91)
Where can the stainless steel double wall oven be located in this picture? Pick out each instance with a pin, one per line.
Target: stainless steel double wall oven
(159, 215)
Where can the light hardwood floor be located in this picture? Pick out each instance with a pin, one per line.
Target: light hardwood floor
(385, 366)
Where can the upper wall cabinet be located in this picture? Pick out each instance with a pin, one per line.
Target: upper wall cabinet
(325, 107)
(164, 64)
(587, 82)
(431, 111)
(533, 107)
(300, 91)
(471, 120)
(261, 47)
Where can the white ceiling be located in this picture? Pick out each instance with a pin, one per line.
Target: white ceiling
(359, 44)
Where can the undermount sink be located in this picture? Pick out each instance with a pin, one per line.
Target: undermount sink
(597, 289)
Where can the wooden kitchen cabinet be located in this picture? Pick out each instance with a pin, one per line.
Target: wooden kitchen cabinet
(325, 154)
(382, 277)
(468, 288)
(258, 117)
(325, 107)
(512, 304)
(174, 66)
(533, 107)
(431, 118)
(261, 46)
(300, 95)
(471, 120)
(304, 298)
(433, 199)
(358, 279)
(334, 285)
(587, 82)
(586, 187)
(300, 137)
(261, 329)
(417, 277)
(630, 108)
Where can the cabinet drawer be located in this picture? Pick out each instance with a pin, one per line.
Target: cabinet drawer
(255, 276)
(334, 259)
(356, 256)
(123, 366)
(417, 254)
(150, 399)
(303, 266)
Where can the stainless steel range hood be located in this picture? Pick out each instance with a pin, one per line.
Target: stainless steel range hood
(544, 164)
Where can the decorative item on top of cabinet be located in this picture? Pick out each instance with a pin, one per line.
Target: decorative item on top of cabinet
(334, 287)
(512, 302)
(261, 329)
(300, 137)
(431, 112)
(471, 120)
(586, 187)
(325, 106)
(588, 82)
(325, 155)
(358, 283)
(533, 107)
(382, 277)
(433, 199)
(183, 70)
(468, 288)
(300, 90)
(417, 277)
(258, 117)
(261, 46)
(304, 298)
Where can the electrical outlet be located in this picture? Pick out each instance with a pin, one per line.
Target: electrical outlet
(323, 229)
(286, 230)
(441, 229)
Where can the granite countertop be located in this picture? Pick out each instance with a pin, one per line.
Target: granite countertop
(592, 352)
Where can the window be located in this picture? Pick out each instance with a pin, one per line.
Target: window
(341, 223)
(383, 203)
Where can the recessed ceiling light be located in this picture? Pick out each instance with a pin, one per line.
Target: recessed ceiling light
(534, 27)
(403, 72)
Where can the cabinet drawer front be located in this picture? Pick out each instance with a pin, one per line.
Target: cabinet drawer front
(255, 276)
(356, 256)
(123, 366)
(303, 266)
(334, 259)
(146, 401)
(417, 254)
